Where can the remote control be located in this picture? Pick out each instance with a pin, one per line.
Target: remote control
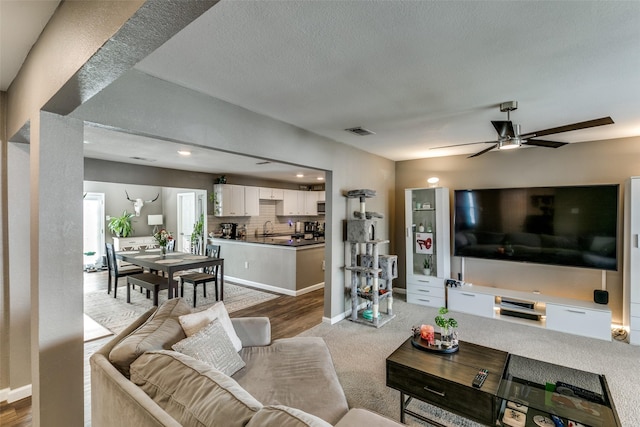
(479, 378)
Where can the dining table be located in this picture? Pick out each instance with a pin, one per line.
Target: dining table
(171, 263)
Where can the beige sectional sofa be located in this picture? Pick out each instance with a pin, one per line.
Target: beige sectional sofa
(138, 380)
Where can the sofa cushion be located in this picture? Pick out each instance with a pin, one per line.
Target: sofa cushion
(284, 416)
(160, 331)
(192, 323)
(212, 345)
(296, 372)
(191, 391)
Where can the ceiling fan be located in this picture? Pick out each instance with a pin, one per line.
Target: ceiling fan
(509, 134)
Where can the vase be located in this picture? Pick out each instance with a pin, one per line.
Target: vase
(163, 250)
(446, 336)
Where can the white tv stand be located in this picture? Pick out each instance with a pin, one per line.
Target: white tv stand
(568, 315)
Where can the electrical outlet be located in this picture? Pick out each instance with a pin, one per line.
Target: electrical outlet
(246, 264)
(322, 265)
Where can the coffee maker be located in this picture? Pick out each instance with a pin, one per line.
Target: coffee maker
(229, 230)
(310, 226)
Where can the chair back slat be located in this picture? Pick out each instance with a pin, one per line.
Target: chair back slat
(213, 251)
(112, 263)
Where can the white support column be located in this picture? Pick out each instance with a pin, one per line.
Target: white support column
(57, 169)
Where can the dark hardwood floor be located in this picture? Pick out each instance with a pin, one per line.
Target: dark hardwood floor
(289, 316)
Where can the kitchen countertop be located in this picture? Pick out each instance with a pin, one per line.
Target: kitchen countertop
(277, 240)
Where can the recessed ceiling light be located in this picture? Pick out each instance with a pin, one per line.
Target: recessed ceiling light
(299, 175)
(320, 178)
(184, 152)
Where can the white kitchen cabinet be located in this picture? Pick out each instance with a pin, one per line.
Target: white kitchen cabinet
(631, 263)
(229, 200)
(251, 201)
(429, 208)
(271, 193)
(292, 203)
(321, 196)
(310, 203)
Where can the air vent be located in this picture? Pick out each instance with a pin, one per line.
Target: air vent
(360, 131)
(144, 159)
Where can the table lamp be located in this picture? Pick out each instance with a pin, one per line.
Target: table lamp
(154, 220)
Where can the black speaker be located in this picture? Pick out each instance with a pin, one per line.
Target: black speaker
(601, 297)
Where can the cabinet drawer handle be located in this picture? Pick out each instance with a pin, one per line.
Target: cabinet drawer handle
(424, 300)
(439, 393)
(424, 281)
(576, 311)
(468, 295)
(424, 290)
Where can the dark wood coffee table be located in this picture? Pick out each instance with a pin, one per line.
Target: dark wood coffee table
(444, 380)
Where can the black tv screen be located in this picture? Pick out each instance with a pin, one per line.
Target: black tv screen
(573, 226)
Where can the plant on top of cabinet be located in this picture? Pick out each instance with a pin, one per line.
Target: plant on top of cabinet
(121, 225)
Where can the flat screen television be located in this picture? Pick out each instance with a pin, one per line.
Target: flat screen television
(574, 226)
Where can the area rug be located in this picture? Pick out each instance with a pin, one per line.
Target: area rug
(359, 354)
(116, 314)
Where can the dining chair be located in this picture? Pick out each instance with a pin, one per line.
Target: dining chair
(116, 271)
(210, 274)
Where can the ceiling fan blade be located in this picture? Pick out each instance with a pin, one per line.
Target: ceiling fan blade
(504, 128)
(567, 128)
(544, 143)
(483, 151)
(461, 145)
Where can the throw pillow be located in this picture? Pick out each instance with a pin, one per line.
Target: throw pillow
(160, 331)
(192, 392)
(285, 416)
(192, 323)
(212, 345)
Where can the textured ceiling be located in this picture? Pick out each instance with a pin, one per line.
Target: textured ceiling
(420, 74)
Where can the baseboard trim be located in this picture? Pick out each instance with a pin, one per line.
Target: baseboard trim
(275, 289)
(14, 395)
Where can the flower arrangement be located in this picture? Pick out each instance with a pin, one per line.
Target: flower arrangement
(163, 237)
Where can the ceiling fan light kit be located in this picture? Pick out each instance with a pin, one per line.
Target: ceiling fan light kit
(509, 136)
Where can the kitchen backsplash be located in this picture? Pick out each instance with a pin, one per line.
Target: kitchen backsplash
(256, 223)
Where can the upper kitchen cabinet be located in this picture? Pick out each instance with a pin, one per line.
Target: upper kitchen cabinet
(296, 202)
(271, 193)
(236, 200)
(251, 201)
(291, 203)
(310, 202)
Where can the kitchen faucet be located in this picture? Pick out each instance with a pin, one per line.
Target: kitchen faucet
(264, 228)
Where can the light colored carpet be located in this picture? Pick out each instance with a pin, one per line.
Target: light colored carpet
(93, 330)
(116, 314)
(359, 353)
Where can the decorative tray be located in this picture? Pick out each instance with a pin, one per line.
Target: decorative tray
(421, 344)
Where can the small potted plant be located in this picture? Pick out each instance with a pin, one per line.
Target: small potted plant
(426, 266)
(121, 225)
(447, 327)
